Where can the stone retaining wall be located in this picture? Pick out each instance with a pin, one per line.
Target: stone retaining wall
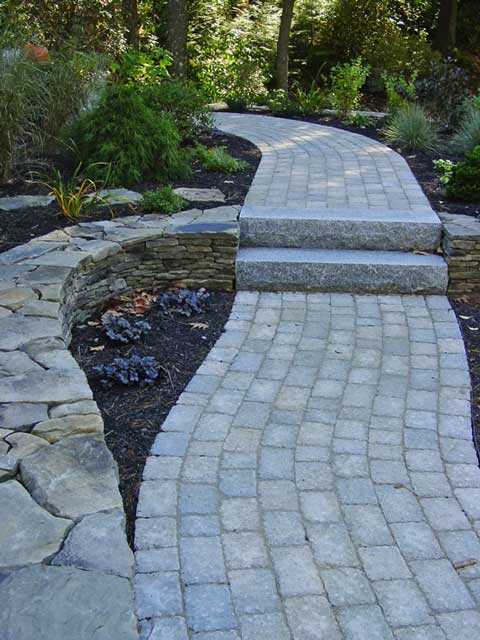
(65, 565)
(461, 248)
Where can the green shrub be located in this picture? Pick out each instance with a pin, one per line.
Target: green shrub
(346, 83)
(185, 101)
(163, 201)
(280, 103)
(140, 67)
(138, 143)
(311, 101)
(443, 91)
(467, 136)
(218, 159)
(464, 183)
(411, 129)
(400, 91)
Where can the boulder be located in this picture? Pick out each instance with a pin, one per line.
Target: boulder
(28, 533)
(98, 542)
(60, 603)
(8, 466)
(74, 477)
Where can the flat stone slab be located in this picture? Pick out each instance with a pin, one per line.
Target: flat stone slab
(55, 603)
(200, 195)
(13, 203)
(120, 196)
(89, 477)
(28, 533)
(98, 543)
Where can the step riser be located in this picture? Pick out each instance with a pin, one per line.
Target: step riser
(350, 278)
(339, 234)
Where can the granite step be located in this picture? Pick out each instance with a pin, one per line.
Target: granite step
(290, 269)
(362, 229)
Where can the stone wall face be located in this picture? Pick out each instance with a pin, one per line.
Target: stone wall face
(461, 248)
(65, 565)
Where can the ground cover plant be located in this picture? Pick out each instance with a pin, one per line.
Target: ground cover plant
(163, 200)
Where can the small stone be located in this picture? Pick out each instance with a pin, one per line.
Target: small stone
(57, 428)
(55, 603)
(75, 408)
(28, 534)
(98, 542)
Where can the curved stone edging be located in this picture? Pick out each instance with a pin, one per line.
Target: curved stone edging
(65, 564)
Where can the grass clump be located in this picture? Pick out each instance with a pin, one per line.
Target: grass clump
(163, 201)
(218, 159)
(411, 130)
(467, 136)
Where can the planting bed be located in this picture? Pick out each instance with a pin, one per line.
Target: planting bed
(133, 415)
(20, 226)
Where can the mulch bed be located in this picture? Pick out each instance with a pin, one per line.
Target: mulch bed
(468, 316)
(18, 227)
(133, 415)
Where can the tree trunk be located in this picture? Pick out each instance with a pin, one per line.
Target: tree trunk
(445, 35)
(281, 62)
(177, 36)
(130, 17)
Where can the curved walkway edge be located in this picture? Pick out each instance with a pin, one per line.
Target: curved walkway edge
(317, 479)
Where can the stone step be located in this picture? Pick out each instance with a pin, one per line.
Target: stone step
(289, 269)
(365, 229)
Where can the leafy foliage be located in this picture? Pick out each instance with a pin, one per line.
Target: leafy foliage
(411, 129)
(134, 369)
(121, 329)
(136, 142)
(163, 201)
(218, 159)
(400, 91)
(346, 82)
(185, 101)
(140, 67)
(443, 91)
(464, 183)
(184, 302)
(37, 100)
(445, 169)
(76, 196)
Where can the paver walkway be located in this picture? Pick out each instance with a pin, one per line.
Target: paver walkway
(317, 479)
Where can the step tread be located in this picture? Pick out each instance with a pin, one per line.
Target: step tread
(337, 256)
(424, 215)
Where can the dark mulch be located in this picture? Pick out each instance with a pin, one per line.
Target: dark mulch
(420, 163)
(20, 226)
(468, 315)
(133, 415)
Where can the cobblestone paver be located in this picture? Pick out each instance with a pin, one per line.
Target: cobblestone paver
(317, 479)
(312, 166)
